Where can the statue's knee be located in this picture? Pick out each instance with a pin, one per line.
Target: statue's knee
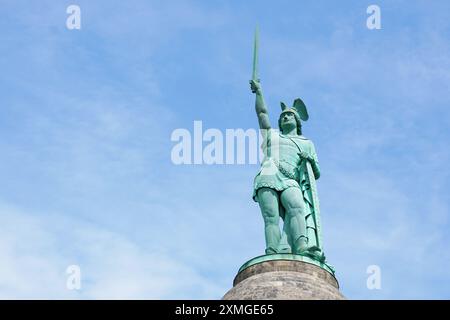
(271, 215)
(295, 212)
(294, 204)
(268, 202)
(271, 220)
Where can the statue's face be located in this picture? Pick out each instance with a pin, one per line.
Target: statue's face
(287, 121)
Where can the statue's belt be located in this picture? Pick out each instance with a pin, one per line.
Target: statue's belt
(291, 174)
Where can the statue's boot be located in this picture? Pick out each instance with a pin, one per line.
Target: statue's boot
(301, 245)
(315, 253)
(270, 250)
(283, 246)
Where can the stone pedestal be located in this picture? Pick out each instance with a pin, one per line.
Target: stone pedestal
(283, 279)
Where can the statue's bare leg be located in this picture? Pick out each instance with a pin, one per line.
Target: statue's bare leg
(268, 202)
(294, 205)
(283, 246)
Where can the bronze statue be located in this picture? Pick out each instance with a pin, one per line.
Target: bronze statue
(285, 185)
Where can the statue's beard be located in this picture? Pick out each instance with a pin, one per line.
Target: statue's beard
(288, 127)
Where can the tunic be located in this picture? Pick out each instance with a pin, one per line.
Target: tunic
(282, 167)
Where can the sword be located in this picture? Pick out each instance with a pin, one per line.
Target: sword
(255, 56)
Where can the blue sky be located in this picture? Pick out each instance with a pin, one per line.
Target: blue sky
(87, 115)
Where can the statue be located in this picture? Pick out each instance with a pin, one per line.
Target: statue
(285, 186)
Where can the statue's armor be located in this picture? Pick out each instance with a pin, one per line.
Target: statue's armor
(282, 165)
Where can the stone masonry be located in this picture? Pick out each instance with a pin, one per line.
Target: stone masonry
(284, 280)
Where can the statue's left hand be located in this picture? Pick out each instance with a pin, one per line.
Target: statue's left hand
(307, 156)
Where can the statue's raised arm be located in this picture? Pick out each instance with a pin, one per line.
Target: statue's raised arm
(260, 106)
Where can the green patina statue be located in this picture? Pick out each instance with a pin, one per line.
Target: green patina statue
(285, 186)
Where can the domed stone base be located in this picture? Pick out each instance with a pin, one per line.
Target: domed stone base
(284, 280)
